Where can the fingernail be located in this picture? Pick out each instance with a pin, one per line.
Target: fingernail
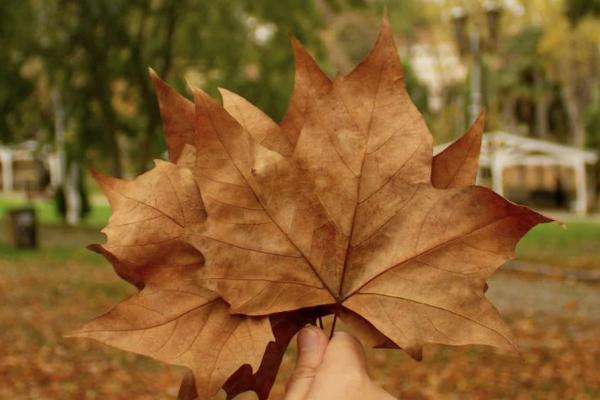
(308, 339)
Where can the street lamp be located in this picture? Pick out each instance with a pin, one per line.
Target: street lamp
(470, 43)
(493, 12)
(460, 17)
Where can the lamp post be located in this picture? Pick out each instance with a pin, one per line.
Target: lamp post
(470, 44)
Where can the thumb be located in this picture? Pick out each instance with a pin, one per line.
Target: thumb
(312, 343)
(345, 364)
(345, 356)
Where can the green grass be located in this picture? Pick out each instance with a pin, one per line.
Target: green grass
(577, 246)
(51, 255)
(48, 214)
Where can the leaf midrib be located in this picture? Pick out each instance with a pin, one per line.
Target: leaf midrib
(312, 267)
(474, 321)
(339, 298)
(430, 250)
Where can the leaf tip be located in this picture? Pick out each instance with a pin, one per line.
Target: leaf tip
(187, 390)
(153, 74)
(228, 96)
(104, 181)
(223, 91)
(480, 120)
(301, 54)
(95, 173)
(197, 92)
(192, 87)
(385, 22)
(416, 352)
(543, 219)
(386, 15)
(304, 60)
(474, 134)
(296, 44)
(161, 88)
(562, 225)
(96, 248)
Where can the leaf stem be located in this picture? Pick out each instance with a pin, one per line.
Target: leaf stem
(333, 325)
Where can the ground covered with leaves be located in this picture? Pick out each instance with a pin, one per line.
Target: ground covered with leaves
(44, 296)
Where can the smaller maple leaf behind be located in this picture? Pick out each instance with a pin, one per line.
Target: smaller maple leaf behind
(172, 318)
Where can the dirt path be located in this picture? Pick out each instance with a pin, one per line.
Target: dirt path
(513, 293)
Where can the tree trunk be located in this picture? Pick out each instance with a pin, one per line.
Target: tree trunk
(508, 113)
(101, 82)
(59, 137)
(72, 195)
(542, 103)
(153, 120)
(109, 121)
(110, 129)
(574, 115)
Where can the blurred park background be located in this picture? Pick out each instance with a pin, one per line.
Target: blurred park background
(75, 94)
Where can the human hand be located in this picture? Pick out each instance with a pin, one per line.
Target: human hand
(331, 369)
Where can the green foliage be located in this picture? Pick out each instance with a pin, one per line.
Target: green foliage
(95, 53)
(60, 202)
(15, 41)
(90, 58)
(593, 126)
(520, 54)
(417, 91)
(578, 9)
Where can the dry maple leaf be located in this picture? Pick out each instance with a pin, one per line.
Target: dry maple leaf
(351, 219)
(258, 228)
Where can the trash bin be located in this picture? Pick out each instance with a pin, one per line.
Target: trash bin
(22, 227)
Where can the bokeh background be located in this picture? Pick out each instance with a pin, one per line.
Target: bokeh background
(75, 94)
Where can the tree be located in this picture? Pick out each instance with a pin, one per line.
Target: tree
(523, 81)
(18, 93)
(570, 55)
(95, 53)
(578, 9)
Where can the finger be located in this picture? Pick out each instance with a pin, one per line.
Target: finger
(343, 372)
(345, 364)
(312, 343)
(344, 350)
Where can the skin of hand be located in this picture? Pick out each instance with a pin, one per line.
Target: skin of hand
(331, 369)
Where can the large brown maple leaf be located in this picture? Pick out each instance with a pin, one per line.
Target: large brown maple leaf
(255, 228)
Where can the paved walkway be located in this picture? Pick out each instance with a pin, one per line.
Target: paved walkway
(511, 293)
